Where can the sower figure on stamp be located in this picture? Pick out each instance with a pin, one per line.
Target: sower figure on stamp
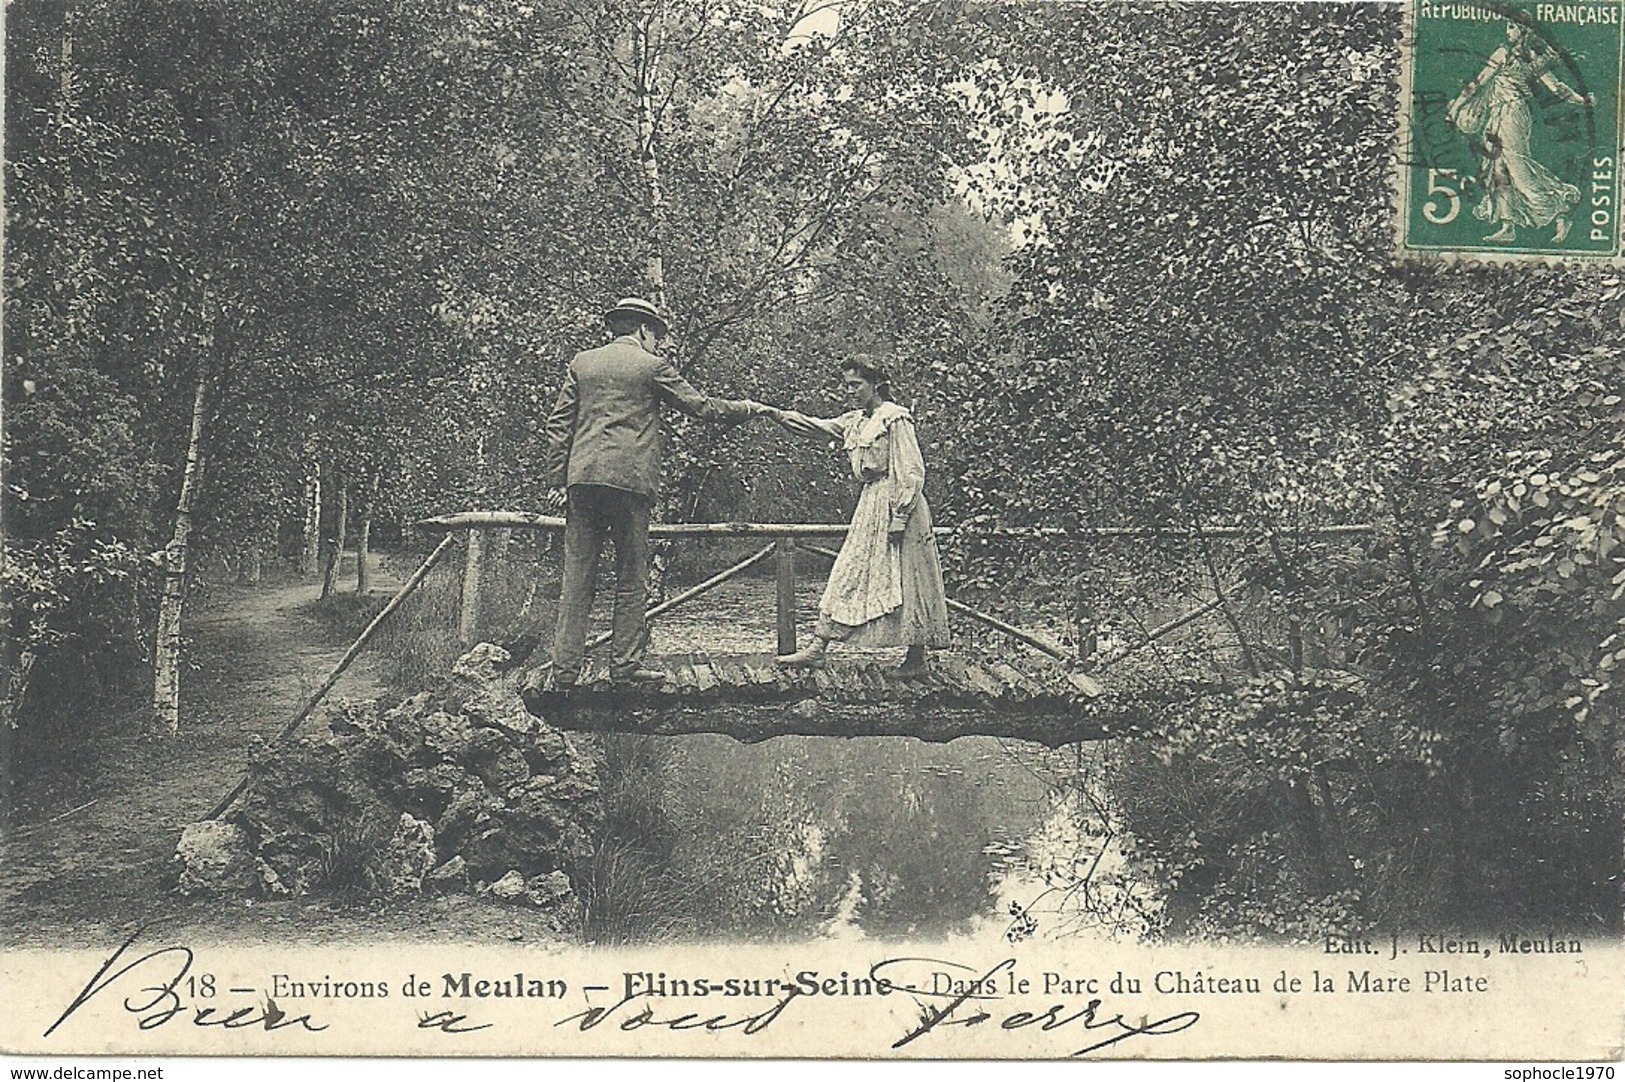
(1494, 108)
(603, 447)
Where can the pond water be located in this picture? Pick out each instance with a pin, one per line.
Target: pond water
(887, 837)
(874, 837)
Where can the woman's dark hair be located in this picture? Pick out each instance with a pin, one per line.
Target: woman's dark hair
(864, 367)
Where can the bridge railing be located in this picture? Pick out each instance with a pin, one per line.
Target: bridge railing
(781, 548)
(785, 539)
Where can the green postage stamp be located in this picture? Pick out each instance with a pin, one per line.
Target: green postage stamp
(1510, 131)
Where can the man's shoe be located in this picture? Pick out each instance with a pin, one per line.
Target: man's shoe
(913, 662)
(640, 676)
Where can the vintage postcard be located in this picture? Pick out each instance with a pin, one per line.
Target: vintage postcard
(882, 530)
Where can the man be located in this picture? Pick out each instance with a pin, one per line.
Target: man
(603, 445)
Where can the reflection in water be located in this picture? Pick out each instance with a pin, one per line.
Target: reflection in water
(888, 837)
(1070, 876)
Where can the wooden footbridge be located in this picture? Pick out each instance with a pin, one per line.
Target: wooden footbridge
(1056, 696)
(751, 698)
(1060, 696)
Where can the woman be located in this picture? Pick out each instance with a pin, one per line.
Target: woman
(886, 586)
(1494, 107)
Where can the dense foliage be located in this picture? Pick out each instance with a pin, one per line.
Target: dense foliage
(362, 238)
(1428, 720)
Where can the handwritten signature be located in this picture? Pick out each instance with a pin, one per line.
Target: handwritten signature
(158, 1004)
(1090, 1017)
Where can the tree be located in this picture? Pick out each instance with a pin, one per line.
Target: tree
(1214, 333)
(245, 172)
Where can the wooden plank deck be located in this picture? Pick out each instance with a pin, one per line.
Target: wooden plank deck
(724, 677)
(751, 698)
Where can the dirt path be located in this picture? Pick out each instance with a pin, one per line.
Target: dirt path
(256, 649)
(72, 870)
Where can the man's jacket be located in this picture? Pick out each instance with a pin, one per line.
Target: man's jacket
(605, 427)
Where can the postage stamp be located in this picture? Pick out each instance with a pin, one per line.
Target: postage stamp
(1510, 132)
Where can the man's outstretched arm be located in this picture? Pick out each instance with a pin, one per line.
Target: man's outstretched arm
(676, 391)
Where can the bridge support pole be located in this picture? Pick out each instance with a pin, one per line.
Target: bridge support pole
(784, 560)
(468, 615)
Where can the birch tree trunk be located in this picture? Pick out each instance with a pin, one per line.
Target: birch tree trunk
(647, 45)
(335, 552)
(363, 539)
(166, 654)
(64, 107)
(253, 568)
(15, 680)
(310, 554)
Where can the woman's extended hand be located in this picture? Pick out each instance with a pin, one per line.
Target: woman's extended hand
(801, 426)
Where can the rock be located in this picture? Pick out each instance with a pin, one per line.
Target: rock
(480, 691)
(576, 787)
(481, 665)
(510, 886)
(451, 877)
(496, 761)
(289, 865)
(548, 890)
(502, 710)
(408, 713)
(427, 792)
(358, 732)
(439, 737)
(537, 844)
(550, 752)
(535, 803)
(214, 858)
(498, 706)
(347, 717)
(447, 735)
(404, 859)
(469, 808)
(438, 791)
(315, 813)
(271, 884)
(493, 848)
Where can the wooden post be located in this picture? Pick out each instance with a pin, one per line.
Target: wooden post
(692, 592)
(468, 617)
(1086, 633)
(784, 559)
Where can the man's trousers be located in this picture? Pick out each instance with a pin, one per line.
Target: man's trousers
(594, 513)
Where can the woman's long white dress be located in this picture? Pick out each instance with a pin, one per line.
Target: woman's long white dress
(886, 586)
